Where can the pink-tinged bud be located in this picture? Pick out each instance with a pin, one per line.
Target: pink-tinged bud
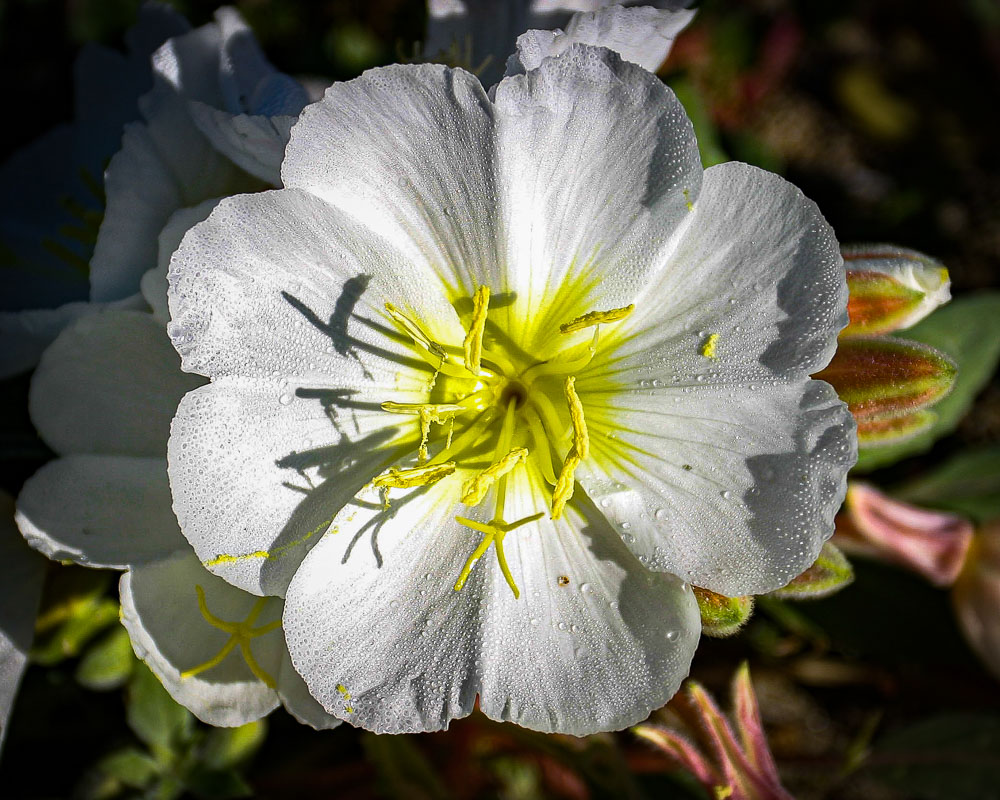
(931, 543)
(830, 573)
(735, 765)
(891, 288)
(883, 378)
(722, 616)
(977, 596)
(882, 431)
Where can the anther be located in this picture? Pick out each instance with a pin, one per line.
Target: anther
(473, 344)
(592, 318)
(476, 488)
(417, 476)
(563, 490)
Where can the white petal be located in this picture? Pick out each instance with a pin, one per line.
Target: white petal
(473, 188)
(154, 283)
(643, 36)
(713, 375)
(759, 266)
(384, 641)
(249, 83)
(100, 511)
(164, 165)
(732, 488)
(259, 471)
(109, 384)
(298, 702)
(409, 151)
(254, 142)
(482, 32)
(24, 335)
(21, 575)
(599, 164)
(161, 614)
(280, 284)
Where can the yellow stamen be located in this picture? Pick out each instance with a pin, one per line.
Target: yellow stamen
(474, 340)
(565, 483)
(475, 489)
(563, 489)
(240, 635)
(596, 318)
(581, 440)
(495, 532)
(708, 348)
(417, 476)
(428, 413)
(414, 331)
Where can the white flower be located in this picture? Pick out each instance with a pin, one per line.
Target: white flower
(479, 34)
(214, 124)
(51, 198)
(460, 303)
(21, 575)
(102, 398)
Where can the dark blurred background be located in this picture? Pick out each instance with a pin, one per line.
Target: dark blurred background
(887, 113)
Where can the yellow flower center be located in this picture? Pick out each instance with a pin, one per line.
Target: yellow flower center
(492, 409)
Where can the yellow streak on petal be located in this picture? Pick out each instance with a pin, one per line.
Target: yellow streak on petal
(709, 345)
(476, 488)
(473, 344)
(592, 318)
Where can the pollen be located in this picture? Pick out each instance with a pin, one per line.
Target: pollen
(592, 318)
(473, 344)
(475, 489)
(709, 345)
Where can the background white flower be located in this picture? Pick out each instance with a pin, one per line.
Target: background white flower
(479, 34)
(577, 188)
(102, 398)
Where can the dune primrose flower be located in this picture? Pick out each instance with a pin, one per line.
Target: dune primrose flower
(494, 379)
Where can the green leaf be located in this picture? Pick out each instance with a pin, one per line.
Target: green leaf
(87, 618)
(108, 662)
(130, 767)
(969, 484)
(154, 716)
(949, 757)
(968, 330)
(227, 747)
(210, 783)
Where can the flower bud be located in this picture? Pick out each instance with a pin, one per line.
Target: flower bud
(891, 288)
(887, 383)
(722, 616)
(931, 543)
(734, 764)
(830, 573)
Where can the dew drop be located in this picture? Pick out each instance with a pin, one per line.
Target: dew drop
(285, 399)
